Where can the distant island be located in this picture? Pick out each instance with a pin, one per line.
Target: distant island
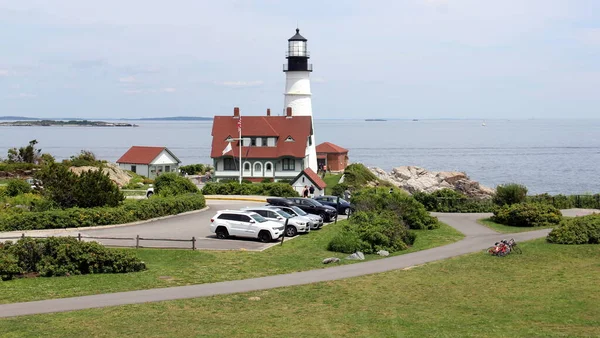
(78, 123)
(173, 118)
(370, 120)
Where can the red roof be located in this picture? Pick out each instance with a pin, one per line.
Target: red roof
(313, 177)
(143, 155)
(328, 147)
(298, 128)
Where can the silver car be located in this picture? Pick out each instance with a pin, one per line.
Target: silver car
(296, 224)
(316, 222)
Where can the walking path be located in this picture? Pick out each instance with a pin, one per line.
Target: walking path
(477, 238)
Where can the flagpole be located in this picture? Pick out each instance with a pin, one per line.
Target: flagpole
(241, 142)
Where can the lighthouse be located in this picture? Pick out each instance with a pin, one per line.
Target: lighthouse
(297, 90)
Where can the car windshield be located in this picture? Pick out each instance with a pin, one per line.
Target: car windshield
(258, 218)
(299, 211)
(284, 214)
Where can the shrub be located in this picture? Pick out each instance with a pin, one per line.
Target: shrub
(578, 230)
(406, 208)
(85, 158)
(527, 215)
(347, 241)
(448, 200)
(171, 184)
(94, 188)
(9, 266)
(64, 256)
(372, 231)
(130, 211)
(193, 169)
(511, 193)
(356, 175)
(16, 187)
(59, 183)
(339, 189)
(263, 189)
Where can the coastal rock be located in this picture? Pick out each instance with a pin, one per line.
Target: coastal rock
(331, 260)
(359, 256)
(416, 179)
(116, 174)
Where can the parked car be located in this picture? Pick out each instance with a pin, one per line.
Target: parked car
(149, 192)
(309, 205)
(316, 222)
(344, 208)
(296, 224)
(241, 223)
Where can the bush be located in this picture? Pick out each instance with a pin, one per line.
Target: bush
(26, 202)
(356, 175)
(130, 211)
(511, 193)
(9, 266)
(171, 184)
(406, 208)
(59, 183)
(448, 200)
(277, 189)
(85, 158)
(527, 215)
(372, 231)
(64, 256)
(578, 230)
(17, 187)
(194, 169)
(339, 189)
(94, 188)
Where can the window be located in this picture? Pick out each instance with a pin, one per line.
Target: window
(288, 164)
(133, 168)
(167, 168)
(289, 139)
(253, 142)
(229, 164)
(246, 166)
(264, 141)
(257, 168)
(268, 167)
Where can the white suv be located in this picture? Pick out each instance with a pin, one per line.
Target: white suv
(296, 224)
(244, 224)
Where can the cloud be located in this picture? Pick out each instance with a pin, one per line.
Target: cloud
(169, 90)
(87, 64)
(26, 95)
(589, 36)
(133, 91)
(318, 80)
(127, 79)
(149, 91)
(238, 84)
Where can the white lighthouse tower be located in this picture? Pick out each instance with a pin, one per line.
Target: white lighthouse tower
(297, 89)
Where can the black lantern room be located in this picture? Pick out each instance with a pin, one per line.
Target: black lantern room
(297, 55)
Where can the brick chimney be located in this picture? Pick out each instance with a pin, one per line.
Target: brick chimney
(236, 112)
(288, 112)
(268, 112)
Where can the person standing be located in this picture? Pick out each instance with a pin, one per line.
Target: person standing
(305, 192)
(311, 190)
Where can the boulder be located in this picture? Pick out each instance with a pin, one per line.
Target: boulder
(416, 179)
(116, 174)
(358, 256)
(331, 260)
(383, 253)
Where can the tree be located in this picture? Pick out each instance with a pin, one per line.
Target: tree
(58, 184)
(94, 188)
(511, 193)
(171, 184)
(28, 154)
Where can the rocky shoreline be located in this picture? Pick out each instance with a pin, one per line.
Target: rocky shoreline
(413, 179)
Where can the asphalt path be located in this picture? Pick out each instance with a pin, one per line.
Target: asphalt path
(477, 238)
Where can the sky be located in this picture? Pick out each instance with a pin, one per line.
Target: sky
(372, 59)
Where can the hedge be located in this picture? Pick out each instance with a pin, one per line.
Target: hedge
(527, 215)
(129, 211)
(262, 189)
(578, 230)
(448, 200)
(63, 256)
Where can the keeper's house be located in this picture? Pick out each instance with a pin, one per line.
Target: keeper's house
(149, 161)
(273, 147)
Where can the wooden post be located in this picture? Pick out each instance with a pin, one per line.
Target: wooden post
(193, 243)
(137, 241)
(79, 236)
(337, 207)
(23, 235)
(285, 226)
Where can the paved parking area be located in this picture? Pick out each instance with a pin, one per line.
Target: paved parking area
(181, 227)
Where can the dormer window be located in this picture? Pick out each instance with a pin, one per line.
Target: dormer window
(289, 139)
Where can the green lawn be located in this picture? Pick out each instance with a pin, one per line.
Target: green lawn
(331, 180)
(548, 291)
(507, 229)
(185, 267)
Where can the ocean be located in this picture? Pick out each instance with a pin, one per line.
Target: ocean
(552, 156)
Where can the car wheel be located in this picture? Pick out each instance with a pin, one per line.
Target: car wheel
(323, 216)
(148, 195)
(222, 233)
(264, 236)
(347, 211)
(291, 231)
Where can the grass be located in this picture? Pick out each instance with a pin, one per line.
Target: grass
(549, 291)
(507, 229)
(331, 180)
(184, 267)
